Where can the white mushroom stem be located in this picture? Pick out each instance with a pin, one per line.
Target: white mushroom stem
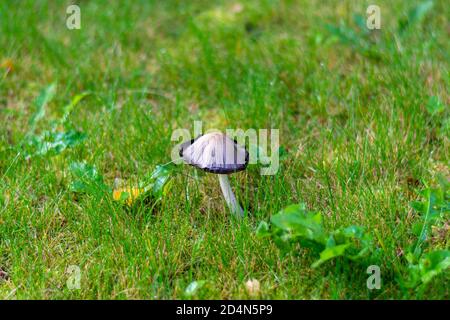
(229, 196)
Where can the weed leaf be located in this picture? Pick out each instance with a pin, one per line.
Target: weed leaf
(432, 209)
(415, 15)
(159, 179)
(434, 105)
(41, 102)
(75, 100)
(330, 253)
(86, 179)
(295, 224)
(263, 230)
(433, 264)
(53, 143)
(299, 222)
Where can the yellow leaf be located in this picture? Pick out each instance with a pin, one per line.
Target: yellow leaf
(128, 195)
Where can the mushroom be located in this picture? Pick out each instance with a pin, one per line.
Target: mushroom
(216, 153)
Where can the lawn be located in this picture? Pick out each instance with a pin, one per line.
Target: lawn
(363, 124)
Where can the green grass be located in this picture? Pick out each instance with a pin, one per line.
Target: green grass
(352, 114)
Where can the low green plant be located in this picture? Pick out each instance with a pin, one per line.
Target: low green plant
(87, 180)
(53, 142)
(424, 261)
(415, 15)
(60, 136)
(296, 225)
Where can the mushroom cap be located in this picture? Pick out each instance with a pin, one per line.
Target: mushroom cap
(215, 153)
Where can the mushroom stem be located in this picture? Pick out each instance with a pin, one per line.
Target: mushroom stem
(229, 196)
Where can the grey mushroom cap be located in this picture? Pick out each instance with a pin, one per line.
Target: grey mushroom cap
(215, 153)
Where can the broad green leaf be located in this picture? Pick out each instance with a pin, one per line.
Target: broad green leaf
(345, 35)
(419, 12)
(435, 106)
(87, 179)
(359, 242)
(263, 229)
(53, 143)
(41, 102)
(360, 21)
(415, 15)
(299, 222)
(432, 209)
(352, 233)
(423, 265)
(410, 257)
(83, 170)
(159, 179)
(330, 253)
(296, 225)
(433, 264)
(418, 206)
(357, 41)
(430, 265)
(413, 277)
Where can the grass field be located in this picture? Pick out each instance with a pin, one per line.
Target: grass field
(363, 118)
